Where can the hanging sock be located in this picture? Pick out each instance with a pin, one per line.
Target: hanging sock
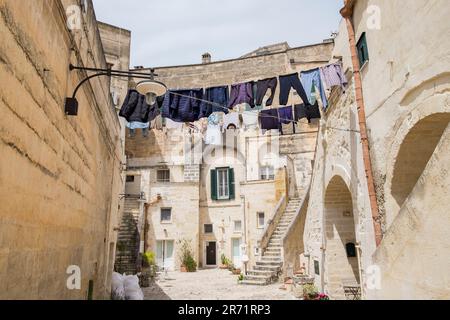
(288, 82)
(311, 79)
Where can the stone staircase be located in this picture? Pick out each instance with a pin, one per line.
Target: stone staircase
(128, 241)
(268, 269)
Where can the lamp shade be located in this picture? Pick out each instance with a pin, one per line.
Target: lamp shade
(151, 86)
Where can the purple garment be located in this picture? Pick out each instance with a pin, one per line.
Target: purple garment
(334, 76)
(285, 115)
(269, 119)
(241, 93)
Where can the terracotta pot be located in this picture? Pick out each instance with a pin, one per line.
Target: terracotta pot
(223, 267)
(183, 269)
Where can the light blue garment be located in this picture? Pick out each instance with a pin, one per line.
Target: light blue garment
(312, 78)
(138, 125)
(214, 118)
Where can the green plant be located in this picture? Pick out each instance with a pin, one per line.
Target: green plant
(225, 261)
(310, 292)
(241, 277)
(187, 256)
(148, 259)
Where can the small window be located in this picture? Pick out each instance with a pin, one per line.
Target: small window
(166, 215)
(261, 219)
(363, 51)
(351, 250)
(130, 178)
(267, 173)
(256, 251)
(163, 175)
(237, 226)
(222, 184)
(208, 228)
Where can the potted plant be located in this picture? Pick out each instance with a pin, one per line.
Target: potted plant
(323, 296)
(225, 262)
(310, 292)
(236, 271)
(188, 263)
(240, 278)
(148, 268)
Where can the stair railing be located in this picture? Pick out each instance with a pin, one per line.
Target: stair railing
(272, 224)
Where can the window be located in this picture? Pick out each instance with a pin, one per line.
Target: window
(261, 219)
(163, 175)
(166, 215)
(208, 228)
(130, 178)
(267, 173)
(363, 51)
(222, 184)
(256, 251)
(237, 226)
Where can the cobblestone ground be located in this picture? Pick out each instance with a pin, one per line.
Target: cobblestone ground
(211, 284)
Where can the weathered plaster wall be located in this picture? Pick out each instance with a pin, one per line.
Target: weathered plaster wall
(59, 176)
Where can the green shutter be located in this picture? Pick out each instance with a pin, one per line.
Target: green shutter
(363, 51)
(231, 183)
(214, 184)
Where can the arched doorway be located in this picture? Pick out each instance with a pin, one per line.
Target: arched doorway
(415, 153)
(341, 261)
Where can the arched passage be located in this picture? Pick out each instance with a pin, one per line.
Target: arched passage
(414, 154)
(341, 262)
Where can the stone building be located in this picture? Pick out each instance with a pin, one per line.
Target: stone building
(177, 165)
(403, 69)
(60, 176)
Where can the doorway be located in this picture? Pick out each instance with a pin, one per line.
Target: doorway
(164, 254)
(211, 253)
(236, 252)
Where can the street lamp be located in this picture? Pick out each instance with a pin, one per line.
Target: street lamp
(149, 87)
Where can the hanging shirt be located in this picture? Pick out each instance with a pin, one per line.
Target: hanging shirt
(311, 79)
(333, 75)
(213, 135)
(308, 111)
(215, 100)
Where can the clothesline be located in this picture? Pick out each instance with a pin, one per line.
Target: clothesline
(251, 112)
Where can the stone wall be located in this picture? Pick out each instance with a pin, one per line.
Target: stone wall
(60, 176)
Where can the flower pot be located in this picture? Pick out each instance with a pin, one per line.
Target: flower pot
(223, 267)
(183, 269)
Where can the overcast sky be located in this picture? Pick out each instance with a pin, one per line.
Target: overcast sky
(174, 32)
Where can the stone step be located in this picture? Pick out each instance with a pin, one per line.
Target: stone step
(268, 263)
(267, 268)
(257, 278)
(271, 259)
(253, 283)
(260, 273)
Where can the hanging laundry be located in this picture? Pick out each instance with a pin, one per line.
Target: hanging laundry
(213, 135)
(182, 105)
(170, 124)
(231, 121)
(306, 111)
(285, 117)
(241, 93)
(261, 90)
(269, 119)
(219, 98)
(311, 79)
(288, 82)
(215, 118)
(157, 123)
(333, 75)
(129, 104)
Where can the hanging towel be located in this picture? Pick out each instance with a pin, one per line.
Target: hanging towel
(216, 99)
(333, 75)
(269, 119)
(309, 80)
(213, 135)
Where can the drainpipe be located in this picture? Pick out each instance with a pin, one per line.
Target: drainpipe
(347, 13)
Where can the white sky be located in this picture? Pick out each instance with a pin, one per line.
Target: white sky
(175, 32)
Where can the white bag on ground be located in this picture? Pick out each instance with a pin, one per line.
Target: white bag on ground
(117, 286)
(132, 289)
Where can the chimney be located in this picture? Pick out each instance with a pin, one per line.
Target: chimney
(206, 58)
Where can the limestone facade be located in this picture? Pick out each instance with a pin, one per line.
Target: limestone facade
(406, 94)
(60, 176)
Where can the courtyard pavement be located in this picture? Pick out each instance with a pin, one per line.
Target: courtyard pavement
(211, 284)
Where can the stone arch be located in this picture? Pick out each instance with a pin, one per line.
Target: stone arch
(413, 144)
(339, 234)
